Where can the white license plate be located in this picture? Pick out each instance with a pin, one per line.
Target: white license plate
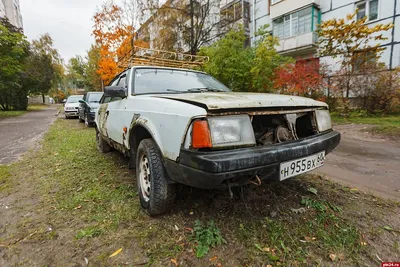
(298, 166)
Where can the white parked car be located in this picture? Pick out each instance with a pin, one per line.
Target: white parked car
(184, 126)
(71, 106)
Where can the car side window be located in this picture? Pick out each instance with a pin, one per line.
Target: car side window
(114, 82)
(122, 81)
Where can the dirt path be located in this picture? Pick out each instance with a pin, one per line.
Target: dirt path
(365, 161)
(20, 134)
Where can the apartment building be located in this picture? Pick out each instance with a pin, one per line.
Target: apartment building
(295, 22)
(11, 10)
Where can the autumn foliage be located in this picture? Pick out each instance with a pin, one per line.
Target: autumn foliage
(110, 34)
(302, 79)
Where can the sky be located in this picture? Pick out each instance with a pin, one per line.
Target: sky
(69, 23)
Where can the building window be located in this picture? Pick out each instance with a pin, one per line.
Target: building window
(368, 9)
(297, 23)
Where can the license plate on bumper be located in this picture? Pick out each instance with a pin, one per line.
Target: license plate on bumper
(298, 166)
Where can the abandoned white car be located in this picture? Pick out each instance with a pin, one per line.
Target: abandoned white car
(184, 126)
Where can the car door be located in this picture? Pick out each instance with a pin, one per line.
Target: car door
(115, 120)
(81, 107)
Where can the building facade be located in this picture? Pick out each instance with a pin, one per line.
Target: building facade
(11, 10)
(295, 22)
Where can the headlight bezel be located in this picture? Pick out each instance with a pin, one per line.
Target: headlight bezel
(323, 120)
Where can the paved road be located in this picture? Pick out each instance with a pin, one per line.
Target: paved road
(365, 161)
(19, 134)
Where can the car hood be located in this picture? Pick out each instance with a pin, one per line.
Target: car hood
(231, 100)
(71, 105)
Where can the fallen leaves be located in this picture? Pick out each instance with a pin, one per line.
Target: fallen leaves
(332, 256)
(175, 262)
(213, 258)
(116, 253)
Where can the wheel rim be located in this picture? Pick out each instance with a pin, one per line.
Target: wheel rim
(144, 177)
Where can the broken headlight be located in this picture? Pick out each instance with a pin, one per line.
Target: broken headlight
(231, 131)
(324, 122)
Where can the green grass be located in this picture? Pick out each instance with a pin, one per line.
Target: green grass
(11, 113)
(15, 113)
(90, 199)
(387, 125)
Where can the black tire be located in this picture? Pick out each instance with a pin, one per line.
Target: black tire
(162, 192)
(102, 145)
(79, 118)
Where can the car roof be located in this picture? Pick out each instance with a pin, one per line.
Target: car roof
(165, 68)
(75, 96)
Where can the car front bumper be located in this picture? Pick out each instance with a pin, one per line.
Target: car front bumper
(71, 113)
(214, 168)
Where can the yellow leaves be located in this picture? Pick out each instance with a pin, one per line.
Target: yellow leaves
(175, 262)
(346, 36)
(116, 253)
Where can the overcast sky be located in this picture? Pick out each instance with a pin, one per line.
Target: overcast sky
(69, 23)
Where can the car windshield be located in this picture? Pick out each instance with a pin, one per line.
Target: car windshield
(94, 97)
(148, 80)
(74, 99)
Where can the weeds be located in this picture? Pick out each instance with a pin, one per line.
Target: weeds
(206, 237)
(88, 232)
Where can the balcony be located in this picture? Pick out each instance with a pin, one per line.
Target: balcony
(300, 45)
(286, 6)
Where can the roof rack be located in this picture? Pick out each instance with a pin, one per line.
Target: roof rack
(141, 56)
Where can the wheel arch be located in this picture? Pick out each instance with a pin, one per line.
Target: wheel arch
(138, 132)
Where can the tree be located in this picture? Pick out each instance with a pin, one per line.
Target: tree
(110, 33)
(354, 42)
(14, 49)
(266, 61)
(304, 78)
(77, 71)
(184, 25)
(244, 68)
(48, 71)
(230, 60)
(92, 78)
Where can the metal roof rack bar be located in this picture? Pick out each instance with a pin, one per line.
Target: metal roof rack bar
(153, 57)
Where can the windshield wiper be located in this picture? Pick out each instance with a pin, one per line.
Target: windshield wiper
(204, 89)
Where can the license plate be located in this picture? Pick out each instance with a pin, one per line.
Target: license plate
(298, 166)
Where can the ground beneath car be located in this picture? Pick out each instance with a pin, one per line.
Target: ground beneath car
(367, 161)
(68, 205)
(19, 134)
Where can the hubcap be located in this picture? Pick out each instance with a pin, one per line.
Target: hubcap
(144, 177)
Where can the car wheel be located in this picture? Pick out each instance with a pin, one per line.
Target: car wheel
(66, 117)
(155, 192)
(102, 145)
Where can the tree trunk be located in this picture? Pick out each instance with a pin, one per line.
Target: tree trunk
(44, 102)
(192, 46)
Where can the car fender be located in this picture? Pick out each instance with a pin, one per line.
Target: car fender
(166, 121)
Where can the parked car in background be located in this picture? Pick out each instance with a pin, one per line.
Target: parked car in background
(184, 126)
(88, 106)
(71, 106)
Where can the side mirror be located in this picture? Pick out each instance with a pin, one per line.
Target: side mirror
(82, 101)
(115, 91)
